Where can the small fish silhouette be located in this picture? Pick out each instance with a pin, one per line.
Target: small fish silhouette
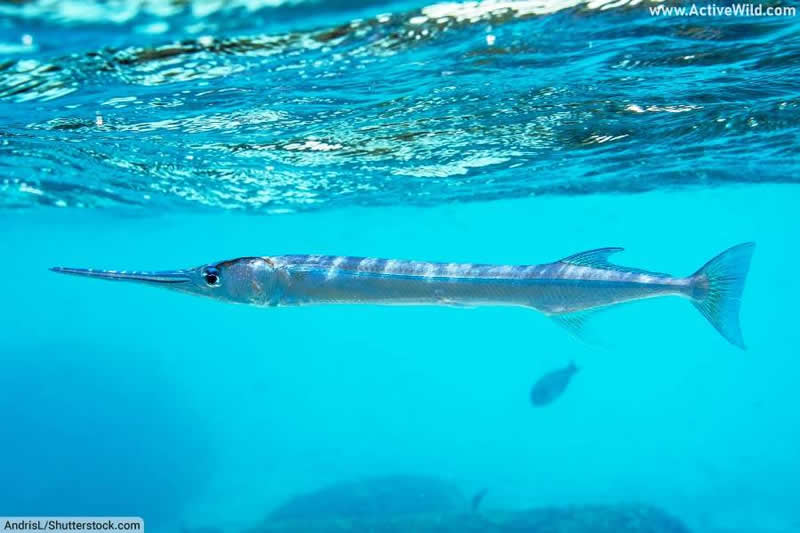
(551, 385)
(477, 499)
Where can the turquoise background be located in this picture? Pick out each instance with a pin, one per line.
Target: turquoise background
(119, 397)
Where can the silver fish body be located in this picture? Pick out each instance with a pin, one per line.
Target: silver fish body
(565, 289)
(553, 288)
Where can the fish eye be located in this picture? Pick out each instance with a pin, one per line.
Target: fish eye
(211, 277)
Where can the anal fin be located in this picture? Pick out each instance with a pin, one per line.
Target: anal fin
(579, 325)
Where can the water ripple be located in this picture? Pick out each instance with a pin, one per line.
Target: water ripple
(445, 102)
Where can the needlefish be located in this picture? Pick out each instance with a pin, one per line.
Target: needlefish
(567, 290)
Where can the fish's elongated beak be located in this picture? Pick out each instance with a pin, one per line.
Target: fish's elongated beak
(167, 277)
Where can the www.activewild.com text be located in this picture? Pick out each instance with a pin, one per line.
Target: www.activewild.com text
(713, 10)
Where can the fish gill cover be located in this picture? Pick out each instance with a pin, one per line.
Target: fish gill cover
(269, 106)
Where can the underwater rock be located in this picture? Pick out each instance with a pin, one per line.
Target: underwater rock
(374, 497)
(632, 518)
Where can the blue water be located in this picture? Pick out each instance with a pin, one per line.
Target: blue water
(157, 135)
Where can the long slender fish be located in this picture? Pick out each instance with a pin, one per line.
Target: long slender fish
(566, 289)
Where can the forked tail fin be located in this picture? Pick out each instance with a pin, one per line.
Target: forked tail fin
(718, 290)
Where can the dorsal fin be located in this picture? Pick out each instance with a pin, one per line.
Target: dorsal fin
(592, 258)
(599, 259)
